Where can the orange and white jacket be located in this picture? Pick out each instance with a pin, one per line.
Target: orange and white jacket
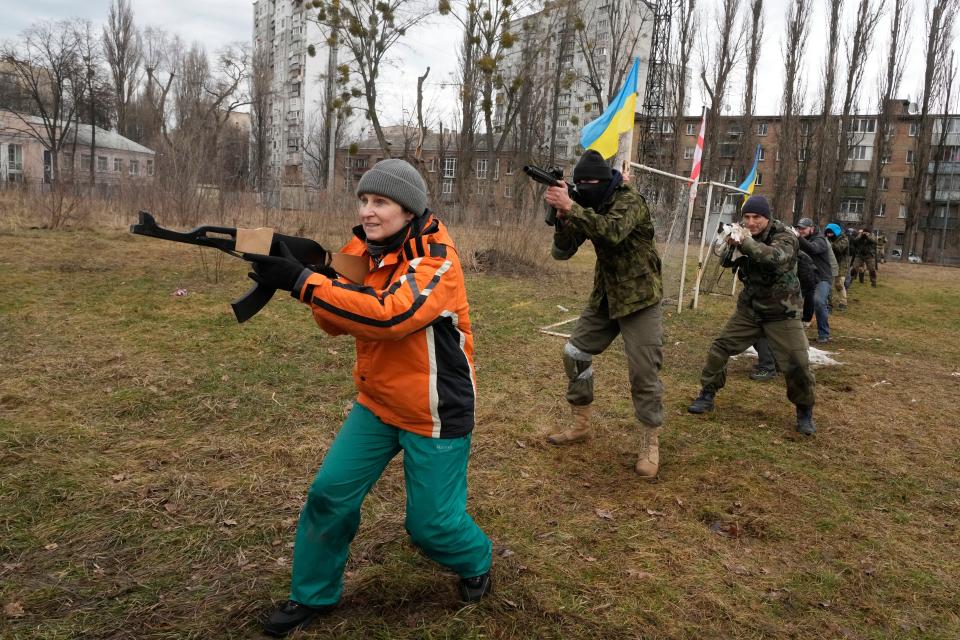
(411, 322)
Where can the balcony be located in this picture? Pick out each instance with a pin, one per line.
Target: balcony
(943, 195)
(945, 168)
(938, 224)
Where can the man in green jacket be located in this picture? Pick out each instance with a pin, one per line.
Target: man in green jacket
(627, 290)
(769, 305)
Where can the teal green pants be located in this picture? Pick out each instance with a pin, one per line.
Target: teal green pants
(435, 473)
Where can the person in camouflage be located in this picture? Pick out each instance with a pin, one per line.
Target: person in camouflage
(770, 305)
(863, 248)
(841, 251)
(881, 248)
(627, 290)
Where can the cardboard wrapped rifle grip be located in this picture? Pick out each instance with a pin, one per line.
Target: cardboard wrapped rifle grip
(353, 268)
(255, 240)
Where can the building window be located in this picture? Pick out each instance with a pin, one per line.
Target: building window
(762, 129)
(762, 155)
(886, 158)
(907, 183)
(759, 179)
(449, 168)
(851, 210)
(902, 214)
(14, 163)
(856, 179)
(84, 162)
(293, 144)
(882, 210)
(884, 183)
(149, 166)
(295, 90)
(863, 125)
(118, 165)
(860, 152)
(481, 165)
(913, 129)
(510, 168)
(432, 165)
(447, 187)
(134, 167)
(691, 129)
(508, 191)
(899, 240)
(730, 175)
(803, 154)
(909, 156)
(101, 163)
(687, 153)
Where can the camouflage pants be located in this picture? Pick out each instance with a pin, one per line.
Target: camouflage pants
(642, 333)
(869, 263)
(789, 345)
(840, 291)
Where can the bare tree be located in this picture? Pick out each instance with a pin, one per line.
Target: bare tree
(940, 17)
(859, 43)
(754, 27)
(798, 29)
(261, 93)
(46, 64)
(368, 29)
(889, 87)
(825, 131)
(717, 64)
(123, 50)
(686, 26)
(160, 55)
(943, 153)
(608, 59)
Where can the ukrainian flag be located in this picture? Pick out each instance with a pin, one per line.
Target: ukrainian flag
(603, 134)
(751, 181)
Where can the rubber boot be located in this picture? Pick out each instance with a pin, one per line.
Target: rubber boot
(648, 462)
(580, 430)
(703, 403)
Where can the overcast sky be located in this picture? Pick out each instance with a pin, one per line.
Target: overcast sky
(215, 23)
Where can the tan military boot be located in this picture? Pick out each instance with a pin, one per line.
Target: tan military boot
(648, 462)
(580, 430)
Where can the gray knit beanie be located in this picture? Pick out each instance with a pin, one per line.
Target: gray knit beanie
(397, 180)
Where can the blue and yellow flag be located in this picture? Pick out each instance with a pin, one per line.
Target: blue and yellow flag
(603, 134)
(751, 181)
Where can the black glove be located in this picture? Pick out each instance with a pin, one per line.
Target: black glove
(324, 269)
(276, 272)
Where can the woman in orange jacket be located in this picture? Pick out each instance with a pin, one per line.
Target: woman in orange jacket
(414, 373)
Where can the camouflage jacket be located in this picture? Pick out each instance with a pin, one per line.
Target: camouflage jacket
(768, 270)
(841, 251)
(627, 272)
(864, 246)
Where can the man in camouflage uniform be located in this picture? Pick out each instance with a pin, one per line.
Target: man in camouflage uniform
(881, 248)
(863, 248)
(770, 305)
(841, 251)
(627, 289)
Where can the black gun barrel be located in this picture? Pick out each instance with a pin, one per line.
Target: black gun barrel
(549, 177)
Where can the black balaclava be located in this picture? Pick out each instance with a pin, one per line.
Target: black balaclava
(591, 166)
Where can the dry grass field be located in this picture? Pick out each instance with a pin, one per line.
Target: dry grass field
(154, 455)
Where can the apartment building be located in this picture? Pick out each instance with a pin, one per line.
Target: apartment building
(550, 49)
(281, 28)
(899, 172)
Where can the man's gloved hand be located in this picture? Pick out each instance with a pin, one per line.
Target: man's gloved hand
(276, 272)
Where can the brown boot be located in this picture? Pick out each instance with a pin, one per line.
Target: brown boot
(648, 462)
(580, 430)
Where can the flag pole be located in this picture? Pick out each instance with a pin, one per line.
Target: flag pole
(697, 159)
(703, 237)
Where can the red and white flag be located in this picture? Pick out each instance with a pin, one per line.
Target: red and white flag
(697, 157)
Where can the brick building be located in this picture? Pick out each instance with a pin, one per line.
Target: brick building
(896, 180)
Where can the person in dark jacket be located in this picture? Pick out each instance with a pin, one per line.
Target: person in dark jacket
(770, 305)
(627, 290)
(817, 247)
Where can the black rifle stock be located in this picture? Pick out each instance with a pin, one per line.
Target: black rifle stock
(549, 177)
(307, 251)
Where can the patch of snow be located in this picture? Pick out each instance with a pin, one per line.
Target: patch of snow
(816, 356)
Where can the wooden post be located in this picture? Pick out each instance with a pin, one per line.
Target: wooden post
(703, 237)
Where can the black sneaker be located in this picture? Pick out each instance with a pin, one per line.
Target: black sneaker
(805, 423)
(472, 589)
(763, 374)
(292, 615)
(703, 403)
